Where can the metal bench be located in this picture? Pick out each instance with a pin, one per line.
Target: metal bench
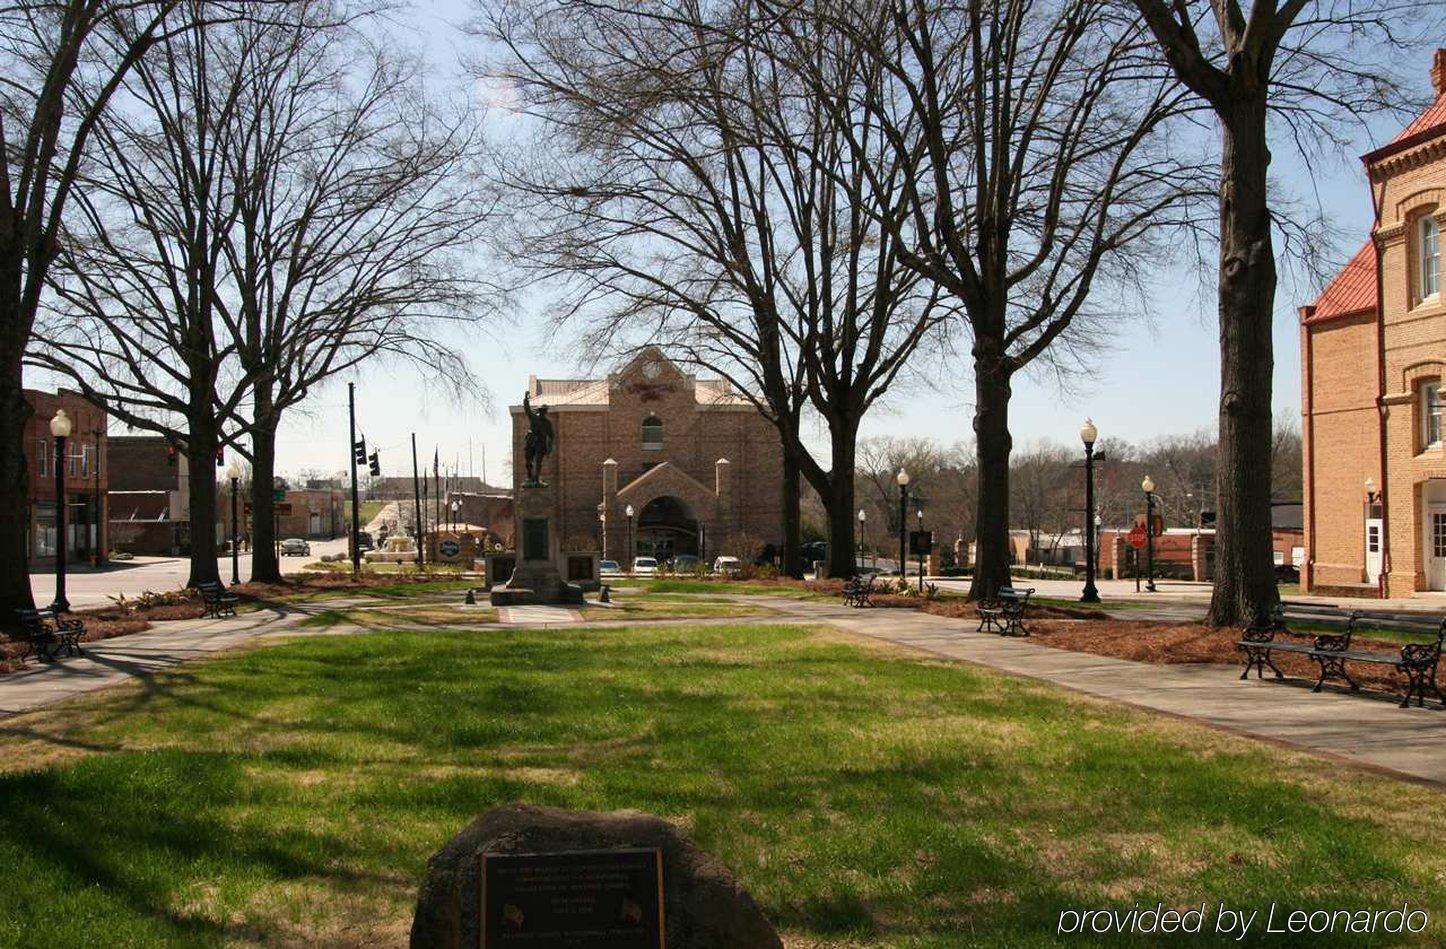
(859, 593)
(215, 600)
(1331, 652)
(1258, 640)
(46, 635)
(1004, 612)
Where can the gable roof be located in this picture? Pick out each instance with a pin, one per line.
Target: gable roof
(1352, 291)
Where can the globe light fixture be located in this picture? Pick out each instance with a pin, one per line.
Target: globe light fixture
(1088, 433)
(60, 426)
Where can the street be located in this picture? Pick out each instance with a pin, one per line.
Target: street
(85, 586)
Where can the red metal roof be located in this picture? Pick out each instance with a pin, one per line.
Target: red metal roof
(1352, 291)
(1427, 125)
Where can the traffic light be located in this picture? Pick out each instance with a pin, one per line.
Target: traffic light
(221, 457)
(374, 463)
(359, 451)
(171, 454)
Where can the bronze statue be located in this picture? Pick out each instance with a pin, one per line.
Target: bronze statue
(537, 443)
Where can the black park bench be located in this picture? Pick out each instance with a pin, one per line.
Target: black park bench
(1332, 652)
(215, 600)
(1004, 612)
(46, 635)
(859, 592)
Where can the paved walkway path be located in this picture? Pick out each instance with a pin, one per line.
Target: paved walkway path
(538, 616)
(1367, 731)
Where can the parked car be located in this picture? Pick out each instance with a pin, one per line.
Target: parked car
(727, 566)
(364, 541)
(295, 547)
(645, 565)
(609, 568)
(1287, 573)
(684, 563)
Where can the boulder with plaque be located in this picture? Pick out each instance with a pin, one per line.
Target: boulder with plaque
(548, 878)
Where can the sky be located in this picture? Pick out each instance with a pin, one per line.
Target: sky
(1157, 376)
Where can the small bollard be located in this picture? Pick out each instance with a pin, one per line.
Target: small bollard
(471, 599)
(606, 594)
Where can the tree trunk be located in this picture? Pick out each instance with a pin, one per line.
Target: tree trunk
(792, 516)
(839, 499)
(265, 566)
(1245, 587)
(991, 434)
(201, 467)
(15, 591)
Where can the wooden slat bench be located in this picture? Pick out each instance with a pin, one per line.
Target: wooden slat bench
(1004, 612)
(46, 635)
(216, 601)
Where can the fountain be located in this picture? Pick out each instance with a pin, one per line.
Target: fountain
(399, 548)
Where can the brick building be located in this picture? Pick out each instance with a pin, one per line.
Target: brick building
(149, 496)
(693, 458)
(86, 478)
(1373, 353)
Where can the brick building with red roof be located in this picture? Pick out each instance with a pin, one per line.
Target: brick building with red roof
(1373, 354)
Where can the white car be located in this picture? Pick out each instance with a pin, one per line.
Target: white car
(647, 566)
(727, 566)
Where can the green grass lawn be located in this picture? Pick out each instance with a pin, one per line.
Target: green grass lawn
(292, 794)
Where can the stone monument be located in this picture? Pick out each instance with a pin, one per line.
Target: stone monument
(538, 576)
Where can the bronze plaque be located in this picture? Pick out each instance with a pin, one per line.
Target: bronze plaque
(534, 538)
(578, 899)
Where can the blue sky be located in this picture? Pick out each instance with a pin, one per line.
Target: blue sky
(1159, 375)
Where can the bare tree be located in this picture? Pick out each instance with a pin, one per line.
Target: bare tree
(710, 207)
(1036, 178)
(354, 204)
(60, 64)
(1314, 65)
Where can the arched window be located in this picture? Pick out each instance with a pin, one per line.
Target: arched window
(652, 432)
(1430, 257)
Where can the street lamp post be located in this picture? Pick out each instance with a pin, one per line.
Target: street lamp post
(863, 516)
(1148, 485)
(60, 429)
(628, 549)
(1088, 433)
(903, 480)
(919, 515)
(235, 474)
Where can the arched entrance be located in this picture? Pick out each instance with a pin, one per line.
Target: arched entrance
(666, 528)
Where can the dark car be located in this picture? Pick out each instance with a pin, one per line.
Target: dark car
(364, 541)
(1287, 573)
(295, 547)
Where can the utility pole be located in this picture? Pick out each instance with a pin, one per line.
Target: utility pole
(417, 498)
(355, 502)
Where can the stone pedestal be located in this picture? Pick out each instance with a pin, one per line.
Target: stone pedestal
(538, 576)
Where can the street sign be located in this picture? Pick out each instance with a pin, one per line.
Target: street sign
(1137, 536)
(278, 494)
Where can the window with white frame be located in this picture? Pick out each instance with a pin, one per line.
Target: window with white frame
(1430, 242)
(1431, 414)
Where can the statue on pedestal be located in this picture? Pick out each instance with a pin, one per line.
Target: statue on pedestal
(537, 443)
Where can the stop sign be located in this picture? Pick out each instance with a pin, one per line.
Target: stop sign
(1137, 536)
